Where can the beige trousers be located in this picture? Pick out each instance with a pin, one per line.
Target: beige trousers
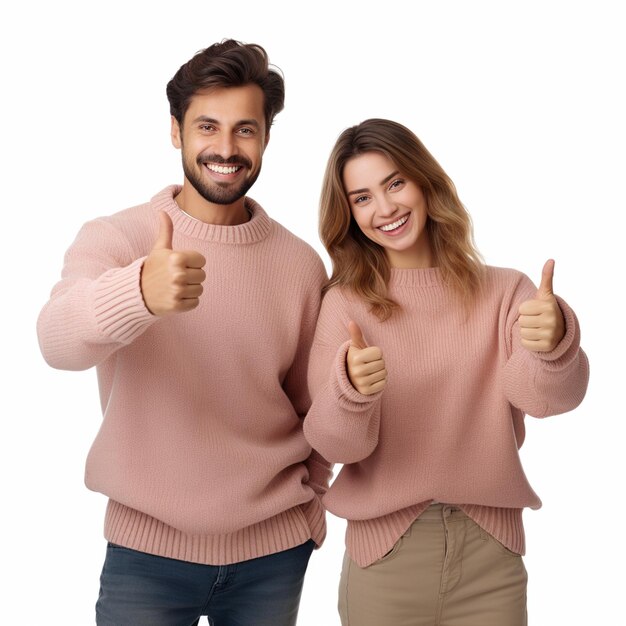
(444, 571)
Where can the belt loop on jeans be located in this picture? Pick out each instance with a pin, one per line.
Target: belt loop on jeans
(448, 509)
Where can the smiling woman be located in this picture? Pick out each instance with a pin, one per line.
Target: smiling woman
(377, 174)
(392, 213)
(424, 406)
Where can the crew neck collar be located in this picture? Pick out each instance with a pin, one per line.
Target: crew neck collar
(255, 229)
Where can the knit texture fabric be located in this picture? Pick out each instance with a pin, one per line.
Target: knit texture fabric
(450, 421)
(201, 449)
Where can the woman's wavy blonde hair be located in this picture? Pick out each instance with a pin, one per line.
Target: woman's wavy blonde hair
(361, 264)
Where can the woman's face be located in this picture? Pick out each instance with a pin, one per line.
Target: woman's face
(389, 208)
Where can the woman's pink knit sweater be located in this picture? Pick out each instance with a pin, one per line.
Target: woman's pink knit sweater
(201, 449)
(450, 421)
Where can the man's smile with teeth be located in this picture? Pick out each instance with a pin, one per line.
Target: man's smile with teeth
(223, 169)
(394, 225)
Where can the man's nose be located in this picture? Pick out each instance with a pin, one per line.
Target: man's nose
(224, 145)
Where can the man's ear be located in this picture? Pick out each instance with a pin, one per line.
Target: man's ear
(267, 139)
(175, 134)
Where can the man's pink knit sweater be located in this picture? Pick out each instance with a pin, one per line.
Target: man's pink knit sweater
(201, 450)
(450, 421)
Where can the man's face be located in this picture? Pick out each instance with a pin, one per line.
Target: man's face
(222, 140)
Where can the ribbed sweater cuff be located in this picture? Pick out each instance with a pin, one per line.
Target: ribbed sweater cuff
(119, 309)
(135, 530)
(316, 518)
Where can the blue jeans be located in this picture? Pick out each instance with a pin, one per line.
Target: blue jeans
(138, 589)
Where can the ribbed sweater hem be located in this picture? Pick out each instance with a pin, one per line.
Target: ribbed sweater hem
(132, 529)
(369, 540)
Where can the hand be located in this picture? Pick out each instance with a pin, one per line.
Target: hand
(171, 281)
(366, 367)
(541, 321)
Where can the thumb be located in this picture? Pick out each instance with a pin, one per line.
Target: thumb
(545, 288)
(356, 336)
(166, 230)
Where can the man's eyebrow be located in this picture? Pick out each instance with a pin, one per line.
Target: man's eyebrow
(382, 182)
(211, 120)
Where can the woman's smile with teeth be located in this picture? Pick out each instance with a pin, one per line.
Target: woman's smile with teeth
(394, 225)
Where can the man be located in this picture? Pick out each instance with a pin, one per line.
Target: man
(198, 311)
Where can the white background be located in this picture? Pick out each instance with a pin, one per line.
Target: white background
(521, 102)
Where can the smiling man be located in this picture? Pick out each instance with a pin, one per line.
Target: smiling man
(222, 138)
(198, 311)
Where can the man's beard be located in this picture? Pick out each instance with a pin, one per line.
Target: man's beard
(219, 193)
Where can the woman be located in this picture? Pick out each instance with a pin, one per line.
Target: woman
(424, 364)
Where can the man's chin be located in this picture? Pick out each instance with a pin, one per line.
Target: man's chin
(220, 195)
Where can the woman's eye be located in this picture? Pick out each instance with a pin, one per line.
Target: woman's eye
(396, 183)
(360, 199)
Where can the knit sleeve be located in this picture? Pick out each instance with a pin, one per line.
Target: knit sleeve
(97, 306)
(544, 383)
(295, 384)
(342, 423)
(320, 474)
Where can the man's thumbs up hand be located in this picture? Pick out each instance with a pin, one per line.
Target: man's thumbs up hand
(171, 281)
(166, 232)
(365, 364)
(541, 321)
